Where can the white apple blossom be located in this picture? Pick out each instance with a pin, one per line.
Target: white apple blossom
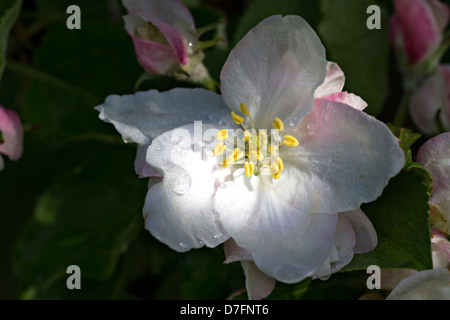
(280, 197)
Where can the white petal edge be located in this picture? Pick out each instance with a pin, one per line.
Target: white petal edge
(423, 285)
(275, 70)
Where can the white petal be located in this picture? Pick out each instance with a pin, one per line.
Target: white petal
(344, 242)
(275, 70)
(143, 116)
(424, 285)
(345, 158)
(142, 168)
(179, 210)
(235, 253)
(365, 234)
(286, 243)
(258, 284)
(334, 81)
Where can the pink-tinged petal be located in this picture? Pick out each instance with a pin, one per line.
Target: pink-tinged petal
(258, 284)
(175, 38)
(345, 158)
(440, 252)
(235, 253)
(342, 252)
(426, 101)
(285, 243)
(179, 210)
(434, 155)
(275, 70)
(12, 132)
(390, 278)
(334, 81)
(142, 168)
(424, 285)
(349, 99)
(156, 56)
(365, 234)
(174, 13)
(420, 29)
(143, 116)
(440, 215)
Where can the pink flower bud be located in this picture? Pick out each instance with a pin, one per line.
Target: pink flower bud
(416, 27)
(430, 103)
(12, 135)
(163, 33)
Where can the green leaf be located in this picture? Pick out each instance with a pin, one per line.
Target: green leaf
(362, 54)
(407, 138)
(401, 219)
(87, 218)
(9, 11)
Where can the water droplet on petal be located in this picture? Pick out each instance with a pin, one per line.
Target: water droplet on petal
(179, 181)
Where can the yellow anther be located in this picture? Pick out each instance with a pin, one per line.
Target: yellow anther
(274, 168)
(219, 148)
(235, 156)
(245, 110)
(277, 175)
(290, 141)
(222, 134)
(280, 164)
(278, 124)
(237, 118)
(247, 135)
(249, 168)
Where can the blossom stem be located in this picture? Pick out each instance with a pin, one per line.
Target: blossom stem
(402, 110)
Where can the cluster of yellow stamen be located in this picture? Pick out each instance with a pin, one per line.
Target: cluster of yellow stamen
(257, 151)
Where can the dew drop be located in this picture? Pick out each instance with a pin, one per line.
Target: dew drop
(179, 181)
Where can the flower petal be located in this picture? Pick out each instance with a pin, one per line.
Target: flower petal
(12, 132)
(342, 253)
(258, 284)
(334, 81)
(275, 70)
(434, 155)
(174, 13)
(143, 116)
(348, 98)
(440, 252)
(286, 243)
(235, 253)
(154, 57)
(345, 158)
(431, 97)
(365, 234)
(420, 29)
(424, 285)
(179, 210)
(143, 169)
